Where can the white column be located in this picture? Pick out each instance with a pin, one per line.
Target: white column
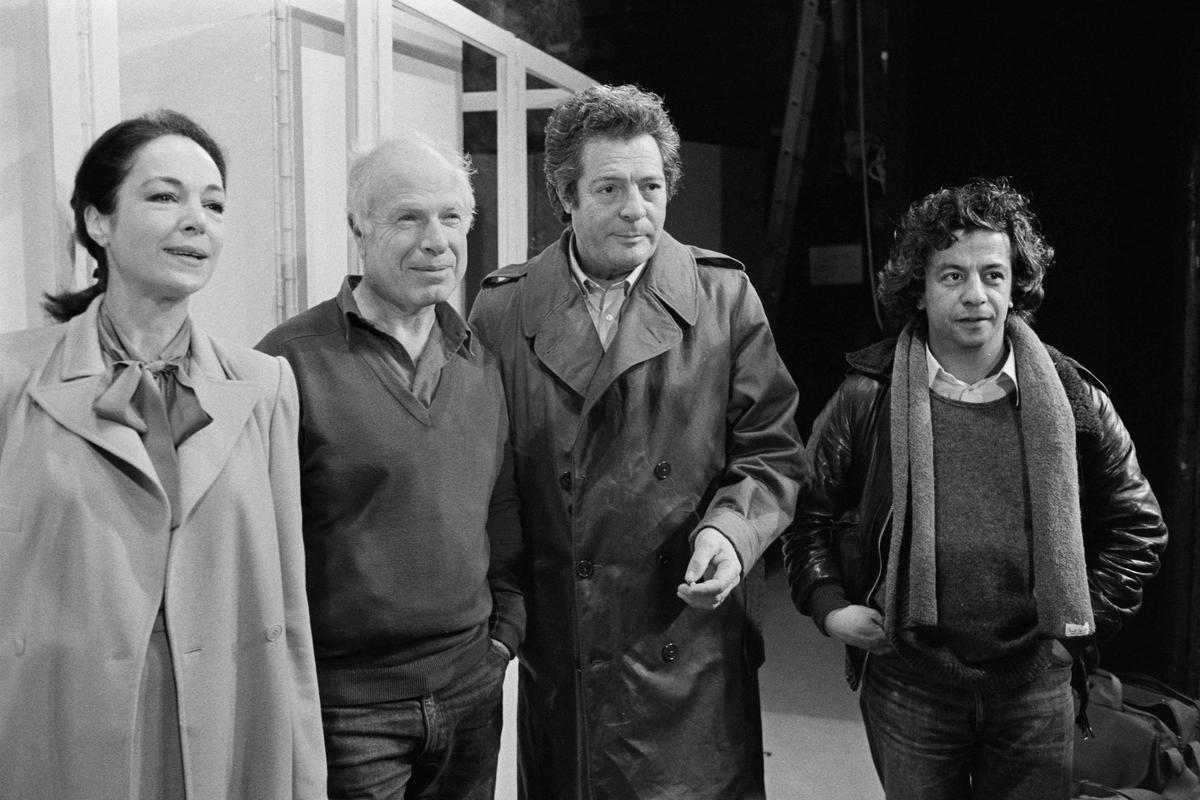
(82, 57)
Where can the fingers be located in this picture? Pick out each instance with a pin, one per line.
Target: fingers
(705, 596)
(859, 626)
(712, 591)
(712, 573)
(706, 549)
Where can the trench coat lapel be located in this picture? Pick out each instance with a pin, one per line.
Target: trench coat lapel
(68, 397)
(230, 403)
(556, 318)
(651, 323)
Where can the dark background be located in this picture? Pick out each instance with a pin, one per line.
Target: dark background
(1090, 108)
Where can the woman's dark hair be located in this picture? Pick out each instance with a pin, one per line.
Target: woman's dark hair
(100, 174)
(929, 225)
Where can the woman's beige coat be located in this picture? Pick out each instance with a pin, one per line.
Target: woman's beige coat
(87, 556)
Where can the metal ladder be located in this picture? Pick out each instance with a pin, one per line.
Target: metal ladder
(810, 38)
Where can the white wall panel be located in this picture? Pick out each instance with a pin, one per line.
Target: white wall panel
(427, 87)
(323, 121)
(35, 227)
(213, 61)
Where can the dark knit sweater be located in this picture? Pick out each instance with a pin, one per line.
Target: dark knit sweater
(987, 632)
(401, 504)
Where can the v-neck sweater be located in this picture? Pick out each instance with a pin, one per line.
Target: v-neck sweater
(402, 504)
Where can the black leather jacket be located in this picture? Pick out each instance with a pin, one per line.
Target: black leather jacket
(841, 530)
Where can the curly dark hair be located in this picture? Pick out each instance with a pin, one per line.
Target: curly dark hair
(929, 225)
(100, 175)
(615, 112)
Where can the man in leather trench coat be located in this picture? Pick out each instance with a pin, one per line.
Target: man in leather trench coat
(656, 457)
(978, 517)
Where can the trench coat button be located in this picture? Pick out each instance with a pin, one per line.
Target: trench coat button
(670, 652)
(584, 569)
(662, 470)
(274, 632)
(564, 481)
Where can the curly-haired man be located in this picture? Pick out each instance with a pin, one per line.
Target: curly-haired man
(978, 517)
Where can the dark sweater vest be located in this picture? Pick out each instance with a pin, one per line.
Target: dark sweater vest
(395, 514)
(987, 634)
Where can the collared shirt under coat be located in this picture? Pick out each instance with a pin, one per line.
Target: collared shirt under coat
(604, 304)
(1001, 383)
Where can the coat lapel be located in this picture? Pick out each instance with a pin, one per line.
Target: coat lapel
(68, 399)
(556, 318)
(230, 403)
(651, 322)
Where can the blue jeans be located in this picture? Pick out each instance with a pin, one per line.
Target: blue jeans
(930, 741)
(443, 745)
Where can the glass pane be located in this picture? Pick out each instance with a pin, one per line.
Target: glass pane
(479, 142)
(544, 224)
(319, 67)
(479, 69)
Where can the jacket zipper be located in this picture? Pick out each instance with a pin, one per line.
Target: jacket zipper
(878, 579)
(879, 545)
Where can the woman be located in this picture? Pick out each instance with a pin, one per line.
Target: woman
(154, 638)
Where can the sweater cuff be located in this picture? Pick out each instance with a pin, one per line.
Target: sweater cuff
(507, 622)
(506, 636)
(825, 599)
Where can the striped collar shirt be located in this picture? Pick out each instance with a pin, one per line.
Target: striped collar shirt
(604, 304)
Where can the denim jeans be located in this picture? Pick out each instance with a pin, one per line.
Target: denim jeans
(443, 745)
(931, 741)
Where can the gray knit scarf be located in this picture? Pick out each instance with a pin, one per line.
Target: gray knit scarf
(1048, 425)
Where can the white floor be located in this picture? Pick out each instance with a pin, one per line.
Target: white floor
(812, 732)
(812, 735)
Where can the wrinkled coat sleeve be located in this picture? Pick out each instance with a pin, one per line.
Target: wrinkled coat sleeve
(765, 464)
(809, 545)
(828, 530)
(308, 766)
(507, 621)
(1124, 533)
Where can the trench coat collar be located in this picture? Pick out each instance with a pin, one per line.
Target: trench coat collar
(555, 316)
(68, 397)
